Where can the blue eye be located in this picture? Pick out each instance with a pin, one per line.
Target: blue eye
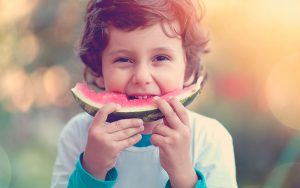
(161, 58)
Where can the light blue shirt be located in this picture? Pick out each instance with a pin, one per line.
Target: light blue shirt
(80, 178)
(139, 166)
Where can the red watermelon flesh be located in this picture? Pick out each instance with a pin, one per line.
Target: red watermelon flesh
(91, 101)
(122, 99)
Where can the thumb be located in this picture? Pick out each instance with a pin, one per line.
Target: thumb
(101, 115)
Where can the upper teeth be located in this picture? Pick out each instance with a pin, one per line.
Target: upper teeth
(142, 97)
(139, 97)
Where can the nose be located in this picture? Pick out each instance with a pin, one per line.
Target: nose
(142, 75)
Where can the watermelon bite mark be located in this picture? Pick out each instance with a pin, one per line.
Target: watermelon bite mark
(145, 109)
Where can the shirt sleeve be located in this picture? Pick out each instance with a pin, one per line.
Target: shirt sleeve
(80, 178)
(215, 158)
(200, 183)
(70, 146)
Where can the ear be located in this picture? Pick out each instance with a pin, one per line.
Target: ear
(188, 81)
(100, 82)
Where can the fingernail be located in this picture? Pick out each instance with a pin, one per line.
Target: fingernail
(156, 97)
(140, 122)
(118, 106)
(140, 136)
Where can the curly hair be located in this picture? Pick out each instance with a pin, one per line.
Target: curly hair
(128, 15)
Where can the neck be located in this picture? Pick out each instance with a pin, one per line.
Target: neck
(149, 126)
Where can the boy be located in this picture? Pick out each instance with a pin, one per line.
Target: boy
(144, 48)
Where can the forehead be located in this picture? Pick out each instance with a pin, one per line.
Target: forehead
(143, 37)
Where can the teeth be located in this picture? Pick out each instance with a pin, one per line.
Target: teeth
(142, 97)
(139, 97)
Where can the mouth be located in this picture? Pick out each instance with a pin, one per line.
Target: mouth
(140, 97)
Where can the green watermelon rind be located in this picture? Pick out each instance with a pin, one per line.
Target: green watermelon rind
(147, 114)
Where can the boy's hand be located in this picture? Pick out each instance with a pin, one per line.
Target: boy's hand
(173, 139)
(106, 141)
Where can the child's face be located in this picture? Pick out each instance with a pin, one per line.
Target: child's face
(143, 62)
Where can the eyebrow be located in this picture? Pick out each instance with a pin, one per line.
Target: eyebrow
(167, 49)
(125, 51)
(120, 51)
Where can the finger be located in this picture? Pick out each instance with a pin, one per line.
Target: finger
(170, 115)
(123, 144)
(180, 110)
(123, 124)
(101, 115)
(157, 140)
(162, 130)
(126, 133)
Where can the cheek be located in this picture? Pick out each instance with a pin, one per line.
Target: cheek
(170, 82)
(114, 83)
(173, 84)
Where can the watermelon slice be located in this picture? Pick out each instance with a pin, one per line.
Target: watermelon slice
(145, 109)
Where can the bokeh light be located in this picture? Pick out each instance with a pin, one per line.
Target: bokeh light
(56, 81)
(5, 169)
(252, 88)
(252, 186)
(283, 89)
(284, 175)
(10, 11)
(28, 48)
(40, 95)
(17, 88)
(286, 171)
(6, 50)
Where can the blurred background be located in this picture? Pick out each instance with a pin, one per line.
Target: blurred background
(253, 86)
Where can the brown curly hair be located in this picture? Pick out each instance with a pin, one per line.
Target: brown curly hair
(129, 15)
